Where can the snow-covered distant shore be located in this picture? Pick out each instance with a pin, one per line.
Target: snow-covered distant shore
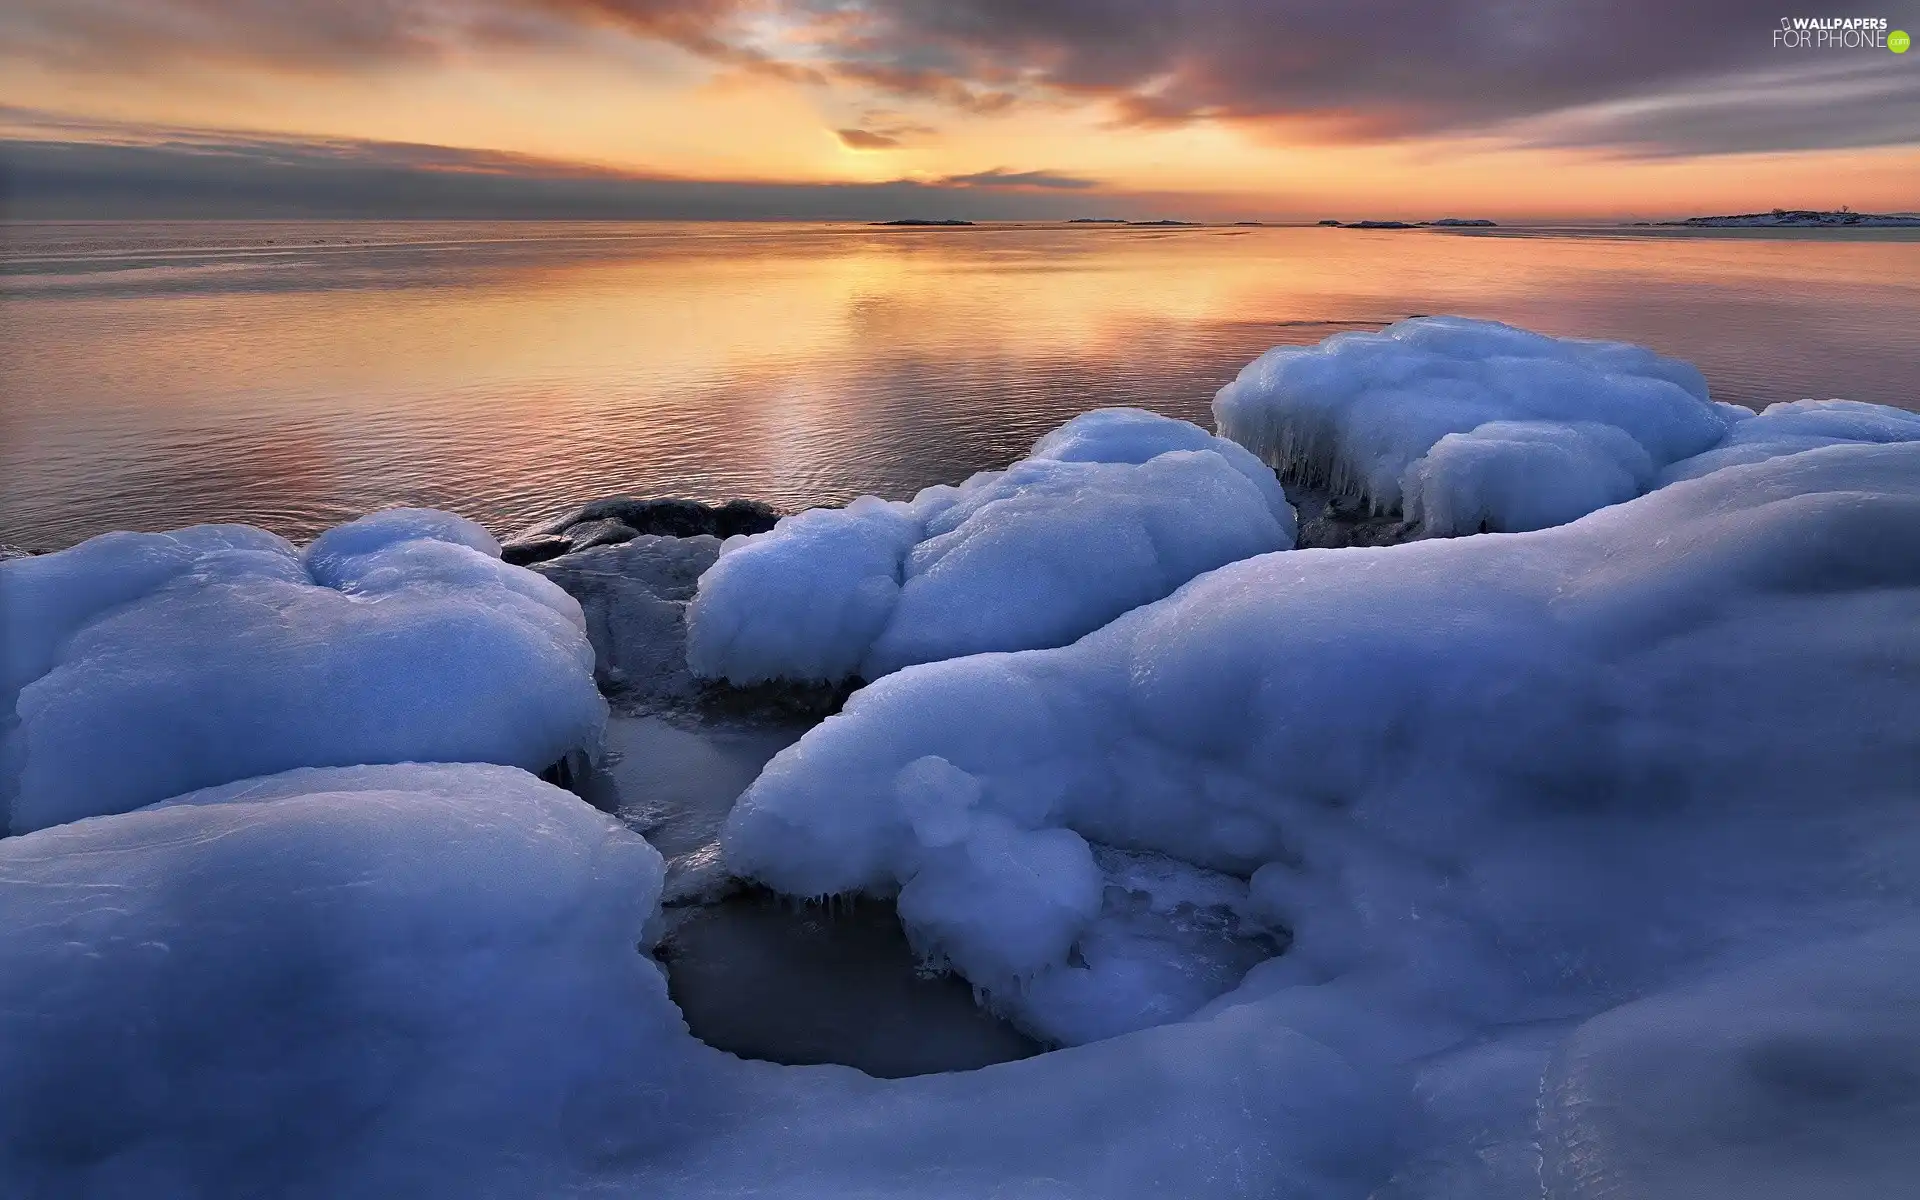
(1537, 816)
(1798, 218)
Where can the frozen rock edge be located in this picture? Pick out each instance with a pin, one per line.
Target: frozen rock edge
(139, 666)
(1581, 889)
(1564, 783)
(1467, 425)
(423, 980)
(1114, 509)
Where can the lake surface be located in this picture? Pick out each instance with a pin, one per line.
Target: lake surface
(293, 375)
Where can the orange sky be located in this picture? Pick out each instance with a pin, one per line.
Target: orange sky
(644, 105)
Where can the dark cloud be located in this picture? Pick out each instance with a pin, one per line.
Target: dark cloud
(1847, 101)
(118, 34)
(1001, 177)
(866, 139)
(1403, 68)
(1647, 76)
(72, 169)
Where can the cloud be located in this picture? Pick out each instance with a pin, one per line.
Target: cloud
(56, 166)
(1001, 177)
(1847, 101)
(1644, 76)
(864, 139)
(1397, 68)
(346, 34)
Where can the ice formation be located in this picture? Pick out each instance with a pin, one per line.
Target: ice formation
(1578, 862)
(139, 666)
(1491, 788)
(1471, 424)
(303, 984)
(1114, 509)
(422, 980)
(1789, 428)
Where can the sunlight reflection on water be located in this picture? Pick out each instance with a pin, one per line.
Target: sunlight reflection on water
(296, 374)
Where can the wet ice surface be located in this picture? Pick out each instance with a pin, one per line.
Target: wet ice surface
(764, 977)
(672, 780)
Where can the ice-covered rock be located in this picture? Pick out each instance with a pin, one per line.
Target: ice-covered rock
(1475, 422)
(1790, 427)
(355, 981)
(1516, 476)
(1475, 780)
(1112, 510)
(634, 595)
(139, 666)
(423, 980)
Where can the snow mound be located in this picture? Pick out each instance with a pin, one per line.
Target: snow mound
(1799, 1076)
(423, 980)
(300, 984)
(1789, 428)
(1475, 422)
(1113, 510)
(221, 652)
(1479, 779)
(1517, 476)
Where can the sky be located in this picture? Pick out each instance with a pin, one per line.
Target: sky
(988, 109)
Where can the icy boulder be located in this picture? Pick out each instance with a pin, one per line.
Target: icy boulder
(363, 981)
(1113, 510)
(1473, 423)
(140, 666)
(424, 980)
(1478, 779)
(1789, 428)
(1516, 476)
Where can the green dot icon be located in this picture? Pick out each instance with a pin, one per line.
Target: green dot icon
(1898, 41)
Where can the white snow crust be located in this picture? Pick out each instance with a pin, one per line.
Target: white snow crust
(1114, 509)
(139, 666)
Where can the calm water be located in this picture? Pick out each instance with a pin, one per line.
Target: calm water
(293, 375)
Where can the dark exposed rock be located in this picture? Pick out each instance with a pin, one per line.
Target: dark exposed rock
(1330, 522)
(527, 551)
(622, 518)
(607, 532)
(7, 552)
(672, 518)
(634, 589)
(634, 595)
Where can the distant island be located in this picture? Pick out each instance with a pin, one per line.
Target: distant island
(1442, 223)
(1254, 224)
(919, 221)
(1124, 221)
(1795, 218)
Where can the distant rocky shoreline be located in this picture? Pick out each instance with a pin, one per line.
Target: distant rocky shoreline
(1795, 218)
